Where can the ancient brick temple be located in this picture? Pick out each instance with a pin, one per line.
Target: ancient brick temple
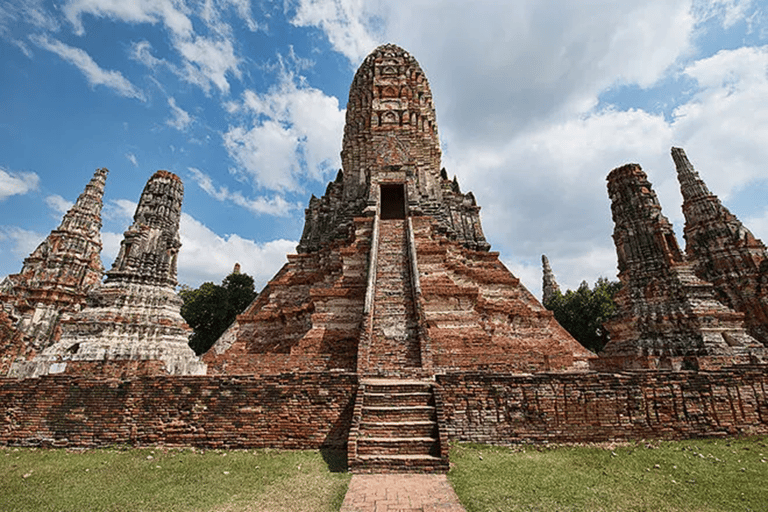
(393, 279)
(54, 279)
(723, 251)
(668, 317)
(394, 329)
(132, 323)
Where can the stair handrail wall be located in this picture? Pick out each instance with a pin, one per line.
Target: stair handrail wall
(354, 430)
(425, 344)
(366, 333)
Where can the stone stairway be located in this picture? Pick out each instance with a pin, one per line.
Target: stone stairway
(394, 343)
(396, 429)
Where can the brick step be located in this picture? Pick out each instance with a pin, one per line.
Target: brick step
(398, 399)
(397, 446)
(399, 464)
(398, 428)
(394, 414)
(394, 386)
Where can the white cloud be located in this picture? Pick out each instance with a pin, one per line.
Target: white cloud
(728, 11)
(58, 204)
(90, 69)
(724, 126)
(17, 183)
(14, 13)
(181, 118)
(274, 206)
(141, 51)
(295, 134)
(758, 225)
(206, 61)
(172, 13)
(206, 256)
(132, 158)
(346, 23)
(209, 61)
(20, 241)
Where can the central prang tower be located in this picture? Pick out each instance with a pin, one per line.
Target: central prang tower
(391, 156)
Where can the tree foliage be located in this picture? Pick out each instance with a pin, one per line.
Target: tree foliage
(582, 312)
(211, 308)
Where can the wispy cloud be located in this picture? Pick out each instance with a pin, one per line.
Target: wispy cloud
(90, 69)
(20, 241)
(181, 118)
(261, 205)
(132, 158)
(206, 61)
(15, 183)
(347, 23)
(58, 204)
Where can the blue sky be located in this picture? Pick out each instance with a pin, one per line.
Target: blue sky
(537, 100)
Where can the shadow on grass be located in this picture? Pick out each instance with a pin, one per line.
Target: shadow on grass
(335, 459)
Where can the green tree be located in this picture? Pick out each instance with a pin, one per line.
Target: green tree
(582, 312)
(211, 308)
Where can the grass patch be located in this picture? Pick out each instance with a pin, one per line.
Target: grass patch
(170, 480)
(697, 475)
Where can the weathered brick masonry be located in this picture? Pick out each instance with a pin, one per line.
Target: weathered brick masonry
(498, 409)
(314, 410)
(291, 411)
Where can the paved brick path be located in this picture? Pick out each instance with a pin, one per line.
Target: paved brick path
(400, 493)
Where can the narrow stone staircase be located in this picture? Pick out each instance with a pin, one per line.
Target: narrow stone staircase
(394, 343)
(395, 428)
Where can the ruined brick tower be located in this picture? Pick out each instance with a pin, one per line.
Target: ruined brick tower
(668, 317)
(132, 324)
(55, 278)
(723, 251)
(393, 280)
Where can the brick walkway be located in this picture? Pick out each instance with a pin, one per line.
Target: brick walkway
(400, 493)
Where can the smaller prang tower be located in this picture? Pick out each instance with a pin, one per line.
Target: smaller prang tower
(668, 317)
(54, 279)
(549, 286)
(723, 251)
(132, 325)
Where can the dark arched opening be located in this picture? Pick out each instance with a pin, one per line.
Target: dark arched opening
(393, 201)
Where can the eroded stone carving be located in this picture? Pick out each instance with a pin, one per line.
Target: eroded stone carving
(723, 251)
(668, 317)
(55, 278)
(132, 324)
(391, 136)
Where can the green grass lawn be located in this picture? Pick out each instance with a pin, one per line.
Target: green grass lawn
(697, 475)
(170, 480)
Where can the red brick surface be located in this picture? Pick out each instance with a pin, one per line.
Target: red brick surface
(281, 411)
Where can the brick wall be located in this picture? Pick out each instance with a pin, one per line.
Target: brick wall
(293, 411)
(312, 410)
(498, 409)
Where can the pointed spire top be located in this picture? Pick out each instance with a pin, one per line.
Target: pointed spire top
(549, 285)
(691, 186)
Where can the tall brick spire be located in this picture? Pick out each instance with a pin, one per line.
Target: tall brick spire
(56, 277)
(132, 325)
(723, 251)
(667, 316)
(67, 263)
